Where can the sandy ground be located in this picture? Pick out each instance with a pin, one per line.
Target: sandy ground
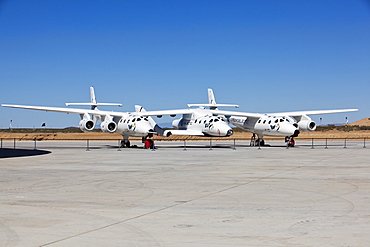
(237, 135)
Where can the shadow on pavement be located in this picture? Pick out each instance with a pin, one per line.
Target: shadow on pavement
(9, 152)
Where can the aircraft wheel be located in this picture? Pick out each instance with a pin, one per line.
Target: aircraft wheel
(125, 143)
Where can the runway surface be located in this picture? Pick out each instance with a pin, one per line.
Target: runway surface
(194, 197)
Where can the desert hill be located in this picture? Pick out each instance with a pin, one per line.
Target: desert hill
(362, 122)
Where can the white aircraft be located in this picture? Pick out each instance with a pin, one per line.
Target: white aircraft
(199, 121)
(125, 123)
(283, 124)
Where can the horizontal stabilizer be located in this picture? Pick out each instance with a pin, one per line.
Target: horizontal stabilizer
(95, 104)
(214, 105)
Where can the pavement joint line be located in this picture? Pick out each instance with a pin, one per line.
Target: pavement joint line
(168, 207)
(191, 200)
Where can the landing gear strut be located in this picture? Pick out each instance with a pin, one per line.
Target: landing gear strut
(290, 141)
(257, 141)
(125, 143)
(148, 143)
(253, 140)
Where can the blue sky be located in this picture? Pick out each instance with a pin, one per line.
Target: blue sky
(266, 56)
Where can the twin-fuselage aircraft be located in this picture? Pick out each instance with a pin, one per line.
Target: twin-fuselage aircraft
(200, 121)
(124, 123)
(282, 124)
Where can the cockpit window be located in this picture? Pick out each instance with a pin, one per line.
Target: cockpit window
(139, 119)
(216, 120)
(277, 120)
(281, 120)
(264, 121)
(133, 120)
(211, 120)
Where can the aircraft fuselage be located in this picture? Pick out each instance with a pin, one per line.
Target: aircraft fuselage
(203, 121)
(134, 125)
(268, 125)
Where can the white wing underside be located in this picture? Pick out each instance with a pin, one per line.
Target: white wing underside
(191, 111)
(280, 114)
(318, 112)
(95, 104)
(67, 110)
(175, 112)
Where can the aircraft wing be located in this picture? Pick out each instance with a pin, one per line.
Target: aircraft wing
(245, 114)
(66, 110)
(236, 114)
(167, 112)
(190, 111)
(319, 112)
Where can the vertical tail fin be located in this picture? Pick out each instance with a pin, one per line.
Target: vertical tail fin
(93, 102)
(92, 98)
(211, 97)
(212, 102)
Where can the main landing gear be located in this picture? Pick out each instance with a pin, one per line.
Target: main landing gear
(148, 143)
(125, 143)
(257, 141)
(289, 141)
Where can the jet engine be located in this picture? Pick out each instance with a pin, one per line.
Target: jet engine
(86, 125)
(108, 126)
(307, 125)
(175, 123)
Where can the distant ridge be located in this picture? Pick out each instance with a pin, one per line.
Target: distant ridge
(362, 122)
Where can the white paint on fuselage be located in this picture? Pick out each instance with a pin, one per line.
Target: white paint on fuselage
(203, 121)
(268, 125)
(134, 125)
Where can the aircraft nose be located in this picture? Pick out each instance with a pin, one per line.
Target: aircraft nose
(222, 129)
(288, 129)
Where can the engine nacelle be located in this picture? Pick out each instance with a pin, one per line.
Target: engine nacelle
(307, 125)
(108, 127)
(86, 125)
(175, 123)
